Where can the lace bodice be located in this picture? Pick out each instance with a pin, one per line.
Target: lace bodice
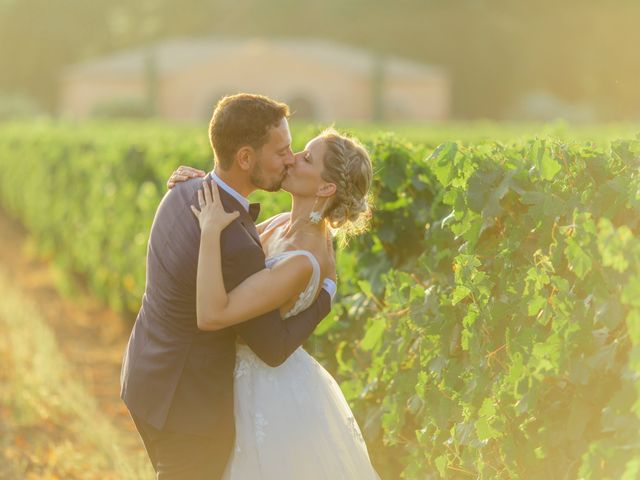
(308, 294)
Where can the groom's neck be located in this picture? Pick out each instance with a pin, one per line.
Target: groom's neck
(238, 180)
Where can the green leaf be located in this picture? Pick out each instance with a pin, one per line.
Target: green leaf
(632, 470)
(442, 162)
(326, 324)
(441, 465)
(480, 185)
(631, 292)
(545, 355)
(535, 305)
(374, 334)
(540, 452)
(467, 322)
(460, 293)
(633, 325)
(488, 409)
(579, 260)
(516, 371)
(365, 287)
(542, 159)
(484, 428)
(613, 245)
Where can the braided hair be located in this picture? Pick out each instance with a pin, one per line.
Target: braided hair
(347, 165)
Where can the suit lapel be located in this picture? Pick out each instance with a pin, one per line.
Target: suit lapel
(250, 227)
(230, 204)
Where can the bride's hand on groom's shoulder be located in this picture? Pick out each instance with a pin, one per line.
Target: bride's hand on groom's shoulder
(182, 174)
(212, 215)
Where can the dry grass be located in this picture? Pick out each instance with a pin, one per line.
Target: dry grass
(50, 425)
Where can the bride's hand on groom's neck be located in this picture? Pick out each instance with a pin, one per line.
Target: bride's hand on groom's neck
(212, 216)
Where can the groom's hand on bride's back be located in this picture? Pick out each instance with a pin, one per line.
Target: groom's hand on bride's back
(182, 174)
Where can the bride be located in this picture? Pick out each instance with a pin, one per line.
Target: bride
(292, 421)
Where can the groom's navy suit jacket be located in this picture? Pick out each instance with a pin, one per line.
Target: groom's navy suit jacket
(179, 378)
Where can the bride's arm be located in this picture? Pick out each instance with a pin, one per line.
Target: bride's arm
(262, 292)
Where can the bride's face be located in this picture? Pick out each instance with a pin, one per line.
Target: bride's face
(304, 177)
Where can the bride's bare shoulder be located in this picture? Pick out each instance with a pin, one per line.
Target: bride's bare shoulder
(273, 222)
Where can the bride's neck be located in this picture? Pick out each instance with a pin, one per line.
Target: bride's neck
(300, 224)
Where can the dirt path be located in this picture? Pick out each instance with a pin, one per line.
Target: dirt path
(91, 336)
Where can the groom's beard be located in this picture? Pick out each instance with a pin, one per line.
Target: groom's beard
(259, 180)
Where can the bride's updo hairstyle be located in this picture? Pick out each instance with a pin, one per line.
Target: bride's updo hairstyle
(347, 165)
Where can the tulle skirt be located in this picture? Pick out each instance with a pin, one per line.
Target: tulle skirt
(293, 422)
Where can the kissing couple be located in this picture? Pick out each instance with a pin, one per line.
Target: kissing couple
(214, 375)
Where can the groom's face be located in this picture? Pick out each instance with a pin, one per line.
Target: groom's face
(273, 159)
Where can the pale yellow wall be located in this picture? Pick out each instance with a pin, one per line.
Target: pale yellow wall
(426, 99)
(337, 93)
(81, 94)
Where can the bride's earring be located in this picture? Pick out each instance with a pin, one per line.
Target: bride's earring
(315, 217)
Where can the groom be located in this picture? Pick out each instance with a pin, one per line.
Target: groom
(177, 380)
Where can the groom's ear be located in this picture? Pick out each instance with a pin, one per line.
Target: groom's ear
(244, 157)
(326, 190)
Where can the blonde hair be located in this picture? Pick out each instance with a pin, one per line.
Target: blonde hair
(348, 166)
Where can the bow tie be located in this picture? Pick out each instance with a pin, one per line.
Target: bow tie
(254, 211)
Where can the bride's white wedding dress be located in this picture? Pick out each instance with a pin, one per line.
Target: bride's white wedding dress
(292, 421)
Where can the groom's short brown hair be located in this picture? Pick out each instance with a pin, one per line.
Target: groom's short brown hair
(240, 120)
